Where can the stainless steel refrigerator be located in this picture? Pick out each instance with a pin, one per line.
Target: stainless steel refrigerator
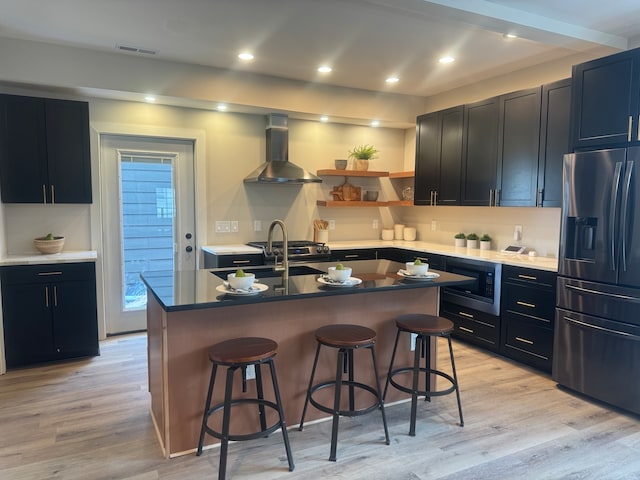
(597, 329)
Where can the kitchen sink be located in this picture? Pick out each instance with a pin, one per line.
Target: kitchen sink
(267, 272)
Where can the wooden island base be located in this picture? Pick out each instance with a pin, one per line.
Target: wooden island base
(179, 368)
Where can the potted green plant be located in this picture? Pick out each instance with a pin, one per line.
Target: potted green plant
(361, 154)
(472, 240)
(460, 239)
(485, 242)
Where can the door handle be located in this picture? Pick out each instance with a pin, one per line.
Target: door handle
(630, 128)
(615, 186)
(525, 304)
(609, 331)
(626, 185)
(615, 296)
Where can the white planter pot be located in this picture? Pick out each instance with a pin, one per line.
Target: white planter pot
(485, 244)
(472, 243)
(460, 242)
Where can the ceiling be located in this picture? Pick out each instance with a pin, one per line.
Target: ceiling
(364, 41)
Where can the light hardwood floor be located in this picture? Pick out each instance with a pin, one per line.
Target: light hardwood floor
(89, 420)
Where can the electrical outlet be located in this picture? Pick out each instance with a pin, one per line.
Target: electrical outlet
(251, 372)
(517, 233)
(375, 224)
(223, 226)
(434, 225)
(234, 226)
(413, 341)
(257, 225)
(332, 224)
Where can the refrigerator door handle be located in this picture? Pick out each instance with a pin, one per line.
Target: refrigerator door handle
(626, 298)
(618, 333)
(615, 187)
(624, 212)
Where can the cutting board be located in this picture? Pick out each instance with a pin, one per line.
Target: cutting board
(346, 192)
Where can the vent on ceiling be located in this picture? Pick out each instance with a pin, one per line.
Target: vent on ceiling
(144, 51)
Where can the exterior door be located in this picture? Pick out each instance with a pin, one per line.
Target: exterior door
(148, 220)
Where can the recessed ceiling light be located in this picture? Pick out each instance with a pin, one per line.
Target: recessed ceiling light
(324, 118)
(510, 35)
(375, 123)
(246, 56)
(150, 98)
(392, 79)
(324, 69)
(447, 59)
(221, 107)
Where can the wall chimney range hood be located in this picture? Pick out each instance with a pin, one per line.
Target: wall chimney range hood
(277, 169)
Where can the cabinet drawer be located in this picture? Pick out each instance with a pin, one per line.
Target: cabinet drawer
(212, 260)
(529, 276)
(528, 342)
(47, 273)
(354, 254)
(531, 302)
(477, 327)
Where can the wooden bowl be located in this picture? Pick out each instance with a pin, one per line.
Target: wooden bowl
(49, 246)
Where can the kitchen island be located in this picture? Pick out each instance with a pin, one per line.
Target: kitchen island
(187, 312)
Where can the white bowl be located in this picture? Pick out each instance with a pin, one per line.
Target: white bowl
(49, 246)
(420, 269)
(241, 283)
(340, 275)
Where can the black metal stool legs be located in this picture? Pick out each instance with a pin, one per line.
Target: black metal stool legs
(380, 400)
(336, 403)
(283, 423)
(455, 379)
(207, 405)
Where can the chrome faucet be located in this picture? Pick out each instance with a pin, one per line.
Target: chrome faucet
(284, 268)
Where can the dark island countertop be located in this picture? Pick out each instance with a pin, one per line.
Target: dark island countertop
(189, 290)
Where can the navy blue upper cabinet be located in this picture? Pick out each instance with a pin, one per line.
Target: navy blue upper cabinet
(480, 152)
(44, 150)
(438, 157)
(518, 148)
(605, 103)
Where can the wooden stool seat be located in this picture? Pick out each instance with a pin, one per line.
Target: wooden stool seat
(243, 350)
(423, 327)
(236, 355)
(347, 336)
(347, 339)
(425, 324)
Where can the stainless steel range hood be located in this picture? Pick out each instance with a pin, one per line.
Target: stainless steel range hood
(277, 169)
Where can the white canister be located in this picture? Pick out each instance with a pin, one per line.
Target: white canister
(398, 231)
(387, 234)
(409, 233)
(323, 236)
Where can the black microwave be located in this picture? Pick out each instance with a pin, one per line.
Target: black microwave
(484, 293)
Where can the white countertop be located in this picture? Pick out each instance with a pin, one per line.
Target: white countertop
(230, 249)
(540, 263)
(62, 257)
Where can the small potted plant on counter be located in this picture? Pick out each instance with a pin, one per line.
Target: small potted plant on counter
(460, 239)
(361, 155)
(472, 240)
(485, 242)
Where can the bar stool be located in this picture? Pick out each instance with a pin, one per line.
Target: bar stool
(424, 326)
(238, 354)
(347, 339)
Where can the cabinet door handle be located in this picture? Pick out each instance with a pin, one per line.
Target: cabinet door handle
(44, 194)
(46, 297)
(355, 255)
(639, 128)
(539, 197)
(496, 197)
(525, 304)
(527, 277)
(630, 128)
(465, 314)
(465, 329)
(524, 340)
(55, 296)
(491, 198)
(45, 274)
(237, 262)
(435, 198)
(53, 194)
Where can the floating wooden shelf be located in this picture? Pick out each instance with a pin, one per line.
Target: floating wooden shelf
(352, 203)
(400, 203)
(402, 174)
(351, 173)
